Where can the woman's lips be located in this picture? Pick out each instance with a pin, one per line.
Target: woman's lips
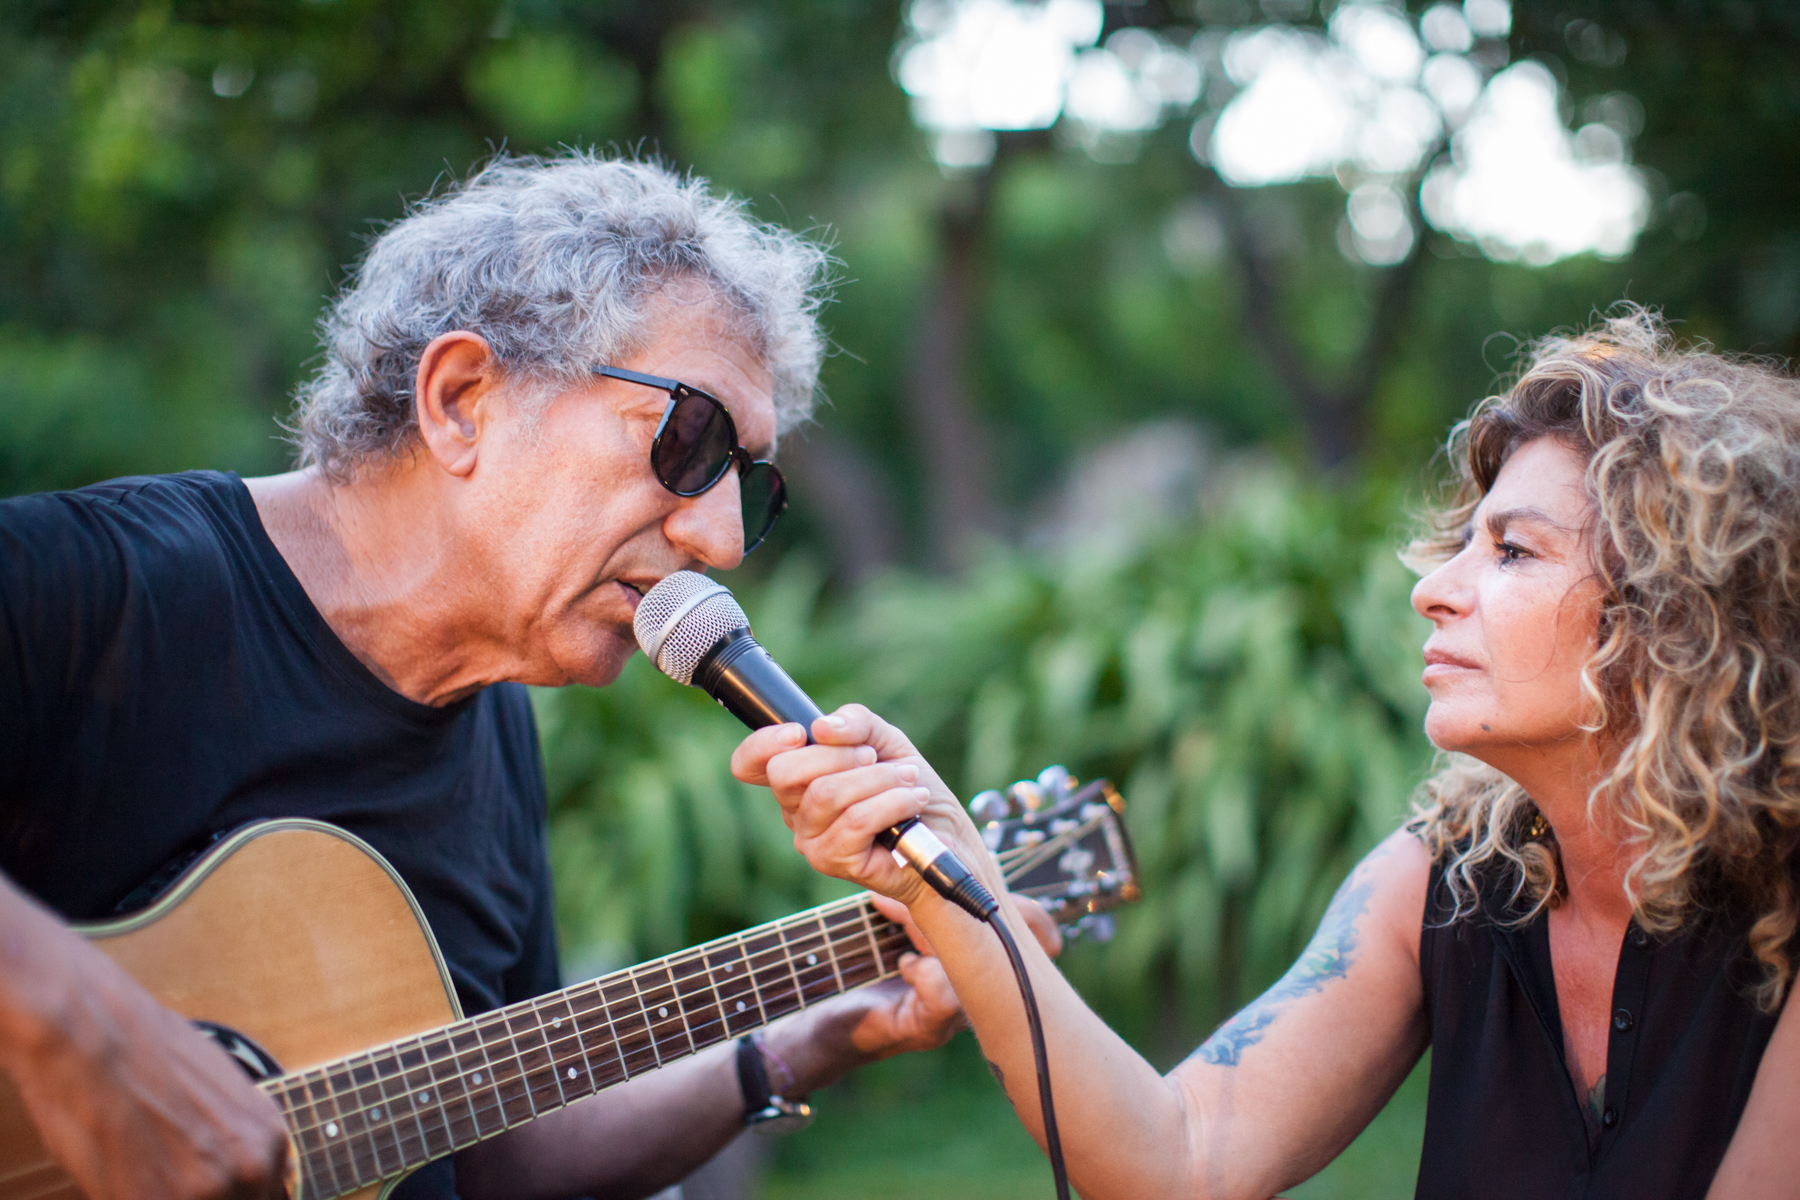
(1439, 663)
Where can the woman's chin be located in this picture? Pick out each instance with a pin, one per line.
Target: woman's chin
(1456, 732)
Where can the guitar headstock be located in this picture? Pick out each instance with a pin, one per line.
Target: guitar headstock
(1063, 844)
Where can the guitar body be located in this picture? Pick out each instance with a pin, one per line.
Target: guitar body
(292, 933)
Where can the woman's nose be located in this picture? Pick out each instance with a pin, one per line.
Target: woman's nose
(1444, 593)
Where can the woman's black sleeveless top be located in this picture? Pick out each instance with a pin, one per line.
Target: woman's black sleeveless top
(1504, 1120)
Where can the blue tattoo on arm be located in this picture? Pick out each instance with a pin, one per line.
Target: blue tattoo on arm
(1326, 957)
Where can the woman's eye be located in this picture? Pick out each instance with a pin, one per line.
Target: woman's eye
(1510, 553)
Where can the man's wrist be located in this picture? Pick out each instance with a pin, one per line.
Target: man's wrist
(818, 1047)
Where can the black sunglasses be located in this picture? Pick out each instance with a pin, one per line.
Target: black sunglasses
(695, 445)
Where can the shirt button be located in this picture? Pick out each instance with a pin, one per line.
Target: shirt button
(1621, 1019)
(1610, 1117)
(1639, 938)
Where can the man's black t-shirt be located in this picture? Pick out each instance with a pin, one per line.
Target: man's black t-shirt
(164, 678)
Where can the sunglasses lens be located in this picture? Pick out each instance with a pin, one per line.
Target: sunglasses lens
(695, 445)
(764, 497)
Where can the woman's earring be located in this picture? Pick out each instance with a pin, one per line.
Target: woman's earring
(1538, 827)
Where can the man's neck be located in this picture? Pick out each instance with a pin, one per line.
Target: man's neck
(374, 559)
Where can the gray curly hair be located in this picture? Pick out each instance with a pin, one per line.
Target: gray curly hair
(553, 262)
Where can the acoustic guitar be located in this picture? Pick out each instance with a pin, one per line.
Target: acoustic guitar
(342, 1009)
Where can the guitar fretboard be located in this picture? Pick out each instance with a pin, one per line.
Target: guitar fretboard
(368, 1117)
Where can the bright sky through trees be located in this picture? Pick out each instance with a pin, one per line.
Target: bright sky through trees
(1374, 101)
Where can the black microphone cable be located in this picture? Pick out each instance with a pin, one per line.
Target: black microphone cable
(692, 628)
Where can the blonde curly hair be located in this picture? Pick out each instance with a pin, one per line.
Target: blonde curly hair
(1693, 472)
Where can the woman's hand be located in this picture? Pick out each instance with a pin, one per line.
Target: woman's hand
(862, 776)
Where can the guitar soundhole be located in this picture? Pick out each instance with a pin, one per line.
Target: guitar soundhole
(256, 1062)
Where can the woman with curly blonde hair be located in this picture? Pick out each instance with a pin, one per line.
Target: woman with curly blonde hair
(1589, 918)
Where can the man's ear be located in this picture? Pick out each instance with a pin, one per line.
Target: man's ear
(453, 398)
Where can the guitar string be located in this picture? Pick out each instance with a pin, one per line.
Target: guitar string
(398, 1142)
(889, 934)
(758, 962)
(888, 938)
(295, 1093)
(885, 941)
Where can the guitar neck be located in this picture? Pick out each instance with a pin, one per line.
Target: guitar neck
(371, 1116)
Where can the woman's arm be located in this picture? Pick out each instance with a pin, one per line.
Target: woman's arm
(1269, 1099)
(1763, 1159)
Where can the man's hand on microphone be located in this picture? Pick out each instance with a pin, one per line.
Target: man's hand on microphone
(862, 776)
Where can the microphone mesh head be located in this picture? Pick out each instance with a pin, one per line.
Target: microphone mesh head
(682, 618)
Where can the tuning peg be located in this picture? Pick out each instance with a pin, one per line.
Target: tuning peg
(1026, 796)
(989, 806)
(1056, 781)
(1097, 927)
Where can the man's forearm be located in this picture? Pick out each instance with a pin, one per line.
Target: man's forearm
(642, 1136)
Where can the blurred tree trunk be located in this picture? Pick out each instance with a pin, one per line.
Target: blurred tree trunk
(952, 439)
(638, 33)
(1334, 411)
(845, 494)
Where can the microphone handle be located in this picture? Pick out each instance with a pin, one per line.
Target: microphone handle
(752, 687)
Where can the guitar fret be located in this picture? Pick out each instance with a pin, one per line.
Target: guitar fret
(729, 960)
(435, 1046)
(814, 977)
(662, 1011)
(854, 968)
(414, 1078)
(831, 953)
(510, 1018)
(496, 1074)
(365, 1167)
(387, 1067)
(610, 1037)
(461, 1045)
(292, 1094)
(368, 1115)
(317, 1085)
(787, 958)
(568, 1057)
(337, 1130)
(695, 994)
(869, 928)
(544, 1033)
(718, 1001)
(770, 976)
(637, 1051)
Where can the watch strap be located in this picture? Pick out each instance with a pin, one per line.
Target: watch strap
(753, 1074)
(764, 1110)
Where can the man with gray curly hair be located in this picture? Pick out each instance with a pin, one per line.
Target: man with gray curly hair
(544, 390)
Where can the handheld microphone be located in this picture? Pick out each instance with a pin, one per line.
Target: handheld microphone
(692, 628)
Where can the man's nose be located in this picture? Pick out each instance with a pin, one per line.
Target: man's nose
(710, 527)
